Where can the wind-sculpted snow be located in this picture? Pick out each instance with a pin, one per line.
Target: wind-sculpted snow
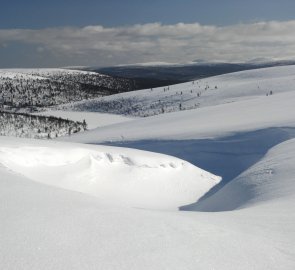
(270, 180)
(44, 227)
(116, 175)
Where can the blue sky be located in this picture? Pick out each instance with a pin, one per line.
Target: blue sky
(53, 13)
(71, 19)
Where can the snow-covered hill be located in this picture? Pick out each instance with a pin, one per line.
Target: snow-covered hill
(37, 126)
(225, 139)
(208, 122)
(75, 206)
(35, 88)
(201, 93)
(92, 119)
(269, 181)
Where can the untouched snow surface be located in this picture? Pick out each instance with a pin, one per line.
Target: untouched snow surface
(115, 175)
(209, 122)
(44, 227)
(269, 180)
(246, 224)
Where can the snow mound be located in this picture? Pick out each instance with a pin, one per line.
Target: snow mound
(116, 175)
(268, 181)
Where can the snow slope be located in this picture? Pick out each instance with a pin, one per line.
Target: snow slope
(209, 122)
(246, 224)
(225, 139)
(269, 181)
(92, 119)
(116, 175)
(216, 90)
(44, 227)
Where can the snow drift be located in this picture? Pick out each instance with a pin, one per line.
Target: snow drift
(117, 175)
(45, 227)
(270, 180)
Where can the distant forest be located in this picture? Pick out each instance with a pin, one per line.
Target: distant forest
(38, 127)
(33, 91)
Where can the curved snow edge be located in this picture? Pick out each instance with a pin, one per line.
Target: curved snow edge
(117, 175)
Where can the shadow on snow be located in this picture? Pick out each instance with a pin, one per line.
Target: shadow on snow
(227, 156)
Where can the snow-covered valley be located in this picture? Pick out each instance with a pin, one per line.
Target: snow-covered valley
(78, 204)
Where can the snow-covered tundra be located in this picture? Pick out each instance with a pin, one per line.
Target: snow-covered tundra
(76, 206)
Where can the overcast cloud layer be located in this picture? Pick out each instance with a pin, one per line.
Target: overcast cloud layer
(154, 42)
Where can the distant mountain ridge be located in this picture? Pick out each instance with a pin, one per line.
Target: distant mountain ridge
(163, 74)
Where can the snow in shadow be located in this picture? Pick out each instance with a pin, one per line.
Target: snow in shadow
(227, 156)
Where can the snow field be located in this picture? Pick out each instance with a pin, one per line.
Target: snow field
(247, 224)
(208, 122)
(51, 228)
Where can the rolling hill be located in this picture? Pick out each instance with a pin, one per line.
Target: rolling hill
(75, 204)
(30, 89)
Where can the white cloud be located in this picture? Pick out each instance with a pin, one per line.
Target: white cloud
(98, 45)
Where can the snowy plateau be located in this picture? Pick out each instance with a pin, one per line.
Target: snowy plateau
(198, 175)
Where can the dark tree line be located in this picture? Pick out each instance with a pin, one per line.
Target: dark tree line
(36, 126)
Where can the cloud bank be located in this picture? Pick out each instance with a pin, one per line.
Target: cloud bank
(154, 42)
